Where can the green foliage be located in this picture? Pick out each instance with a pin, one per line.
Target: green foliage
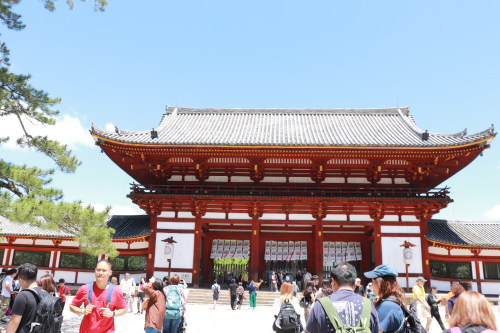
(25, 194)
(229, 261)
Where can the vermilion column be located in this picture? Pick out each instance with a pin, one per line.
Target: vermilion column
(318, 250)
(426, 267)
(255, 250)
(197, 252)
(377, 241)
(150, 266)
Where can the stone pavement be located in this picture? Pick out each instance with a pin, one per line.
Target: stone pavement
(202, 318)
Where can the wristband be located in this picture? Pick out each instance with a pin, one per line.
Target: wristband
(113, 313)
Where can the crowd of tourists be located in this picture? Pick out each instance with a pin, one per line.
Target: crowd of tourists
(342, 304)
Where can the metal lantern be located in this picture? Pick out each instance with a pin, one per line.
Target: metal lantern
(169, 248)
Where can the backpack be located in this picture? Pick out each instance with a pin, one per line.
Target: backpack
(173, 304)
(411, 321)
(289, 319)
(111, 287)
(48, 315)
(216, 290)
(337, 323)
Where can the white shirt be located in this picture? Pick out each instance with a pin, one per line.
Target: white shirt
(5, 292)
(125, 286)
(296, 306)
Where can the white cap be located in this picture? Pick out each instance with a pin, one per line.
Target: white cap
(358, 279)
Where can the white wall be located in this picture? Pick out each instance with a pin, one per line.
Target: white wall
(185, 215)
(167, 214)
(306, 217)
(273, 217)
(136, 277)
(139, 245)
(121, 245)
(460, 252)
(392, 253)
(69, 243)
(441, 285)
(69, 276)
(188, 277)
(214, 216)
(473, 266)
(494, 253)
(335, 217)
(239, 216)
(85, 277)
(409, 218)
(183, 250)
(23, 241)
(360, 218)
(490, 288)
(438, 250)
(176, 225)
(44, 242)
(393, 229)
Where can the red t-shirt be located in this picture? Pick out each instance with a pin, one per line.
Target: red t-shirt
(95, 322)
(62, 292)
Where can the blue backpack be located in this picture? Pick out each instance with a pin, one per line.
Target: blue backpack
(173, 304)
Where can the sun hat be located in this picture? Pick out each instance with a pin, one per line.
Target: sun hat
(382, 270)
(421, 279)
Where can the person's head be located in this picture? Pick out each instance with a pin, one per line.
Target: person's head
(310, 288)
(287, 278)
(358, 282)
(434, 290)
(421, 281)
(215, 281)
(385, 286)
(315, 278)
(473, 308)
(369, 286)
(11, 272)
(457, 289)
(343, 276)
(174, 280)
(47, 283)
(233, 281)
(4, 270)
(127, 276)
(326, 287)
(240, 283)
(114, 280)
(251, 282)
(103, 272)
(26, 274)
(158, 285)
(143, 280)
(61, 282)
(286, 292)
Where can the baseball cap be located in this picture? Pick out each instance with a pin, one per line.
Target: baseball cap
(434, 287)
(421, 279)
(315, 277)
(382, 270)
(62, 281)
(287, 278)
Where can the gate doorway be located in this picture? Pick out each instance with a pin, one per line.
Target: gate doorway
(226, 269)
(290, 267)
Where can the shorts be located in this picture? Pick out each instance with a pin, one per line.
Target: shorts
(422, 312)
(216, 297)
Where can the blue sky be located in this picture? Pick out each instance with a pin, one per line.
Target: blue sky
(122, 66)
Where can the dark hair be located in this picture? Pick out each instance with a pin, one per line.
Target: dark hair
(308, 290)
(388, 286)
(158, 285)
(175, 279)
(4, 270)
(106, 261)
(11, 271)
(144, 278)
(47, 283)
(215, 281)
(165, 278)
(114, 280)
(233, 281)
(344, 274)
(27, 272)
(326, 288)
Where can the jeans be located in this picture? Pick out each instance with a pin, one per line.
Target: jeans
(151, 330)
(170, 325)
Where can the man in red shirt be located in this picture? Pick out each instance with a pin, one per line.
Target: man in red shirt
(63, 291)
(99, 316)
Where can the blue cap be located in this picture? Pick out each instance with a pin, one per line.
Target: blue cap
(382, 270)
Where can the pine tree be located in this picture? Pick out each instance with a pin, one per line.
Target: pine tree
(25, 192)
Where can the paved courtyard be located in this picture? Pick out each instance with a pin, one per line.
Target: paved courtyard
(202, 318)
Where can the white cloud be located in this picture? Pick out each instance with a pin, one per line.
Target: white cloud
(493, 213)
(116, 210)
(109, 127)
(67, 130)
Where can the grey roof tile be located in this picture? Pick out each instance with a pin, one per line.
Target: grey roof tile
(126, 226)
(291, 127)
(468, 233)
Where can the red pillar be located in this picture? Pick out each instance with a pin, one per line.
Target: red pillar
(377, 240)
(426, 266)
(197, 253)
(365, 263)
(207, 262)
(150, 266)
(318, 250)
(255, 251)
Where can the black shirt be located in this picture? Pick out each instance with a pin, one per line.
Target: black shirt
(360, 290)
(232, 288)
(25, 306)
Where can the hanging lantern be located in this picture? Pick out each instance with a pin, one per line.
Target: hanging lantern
(408, 253)
(169, 248)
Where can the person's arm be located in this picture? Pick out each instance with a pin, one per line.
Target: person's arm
(150, 292)
(183, 301)
(449, 308)
(7, 286)
(68, 292)
(14, 322)
(107, 313)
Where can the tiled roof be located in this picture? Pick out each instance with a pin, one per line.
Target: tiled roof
(469, 233)
(126, 226)
(290, 127)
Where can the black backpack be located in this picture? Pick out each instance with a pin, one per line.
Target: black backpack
(48, 316)
(289, 318)
(411, 321)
